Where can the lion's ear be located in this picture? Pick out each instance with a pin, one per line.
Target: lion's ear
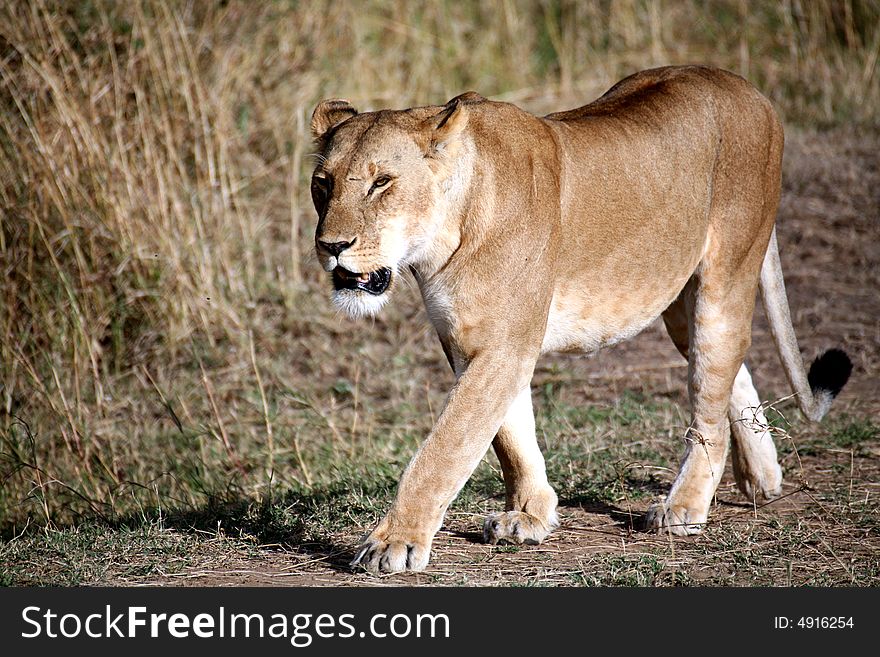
(447, 127)
(329, 114)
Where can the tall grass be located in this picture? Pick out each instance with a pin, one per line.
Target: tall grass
(154, 223)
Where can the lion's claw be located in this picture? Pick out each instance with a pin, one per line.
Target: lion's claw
(392, 556)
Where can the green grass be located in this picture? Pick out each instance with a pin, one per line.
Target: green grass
(843, 432)
(854, 433)
(634, 570)
(323, 521)
(94, 553)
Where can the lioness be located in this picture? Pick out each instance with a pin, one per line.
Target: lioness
(567, 233)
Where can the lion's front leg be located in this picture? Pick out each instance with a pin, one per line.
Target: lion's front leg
(473, 414)
(530, 512)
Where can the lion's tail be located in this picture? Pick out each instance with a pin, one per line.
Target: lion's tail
(828, 373)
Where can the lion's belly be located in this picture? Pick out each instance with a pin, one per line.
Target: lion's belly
(567, 330)
(587, 319)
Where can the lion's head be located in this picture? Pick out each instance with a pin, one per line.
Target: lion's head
(382, 191)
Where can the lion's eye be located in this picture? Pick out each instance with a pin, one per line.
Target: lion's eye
(320, 190)
(321, 184)
(380, 182)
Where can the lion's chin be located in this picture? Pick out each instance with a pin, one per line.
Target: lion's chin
(358, 304)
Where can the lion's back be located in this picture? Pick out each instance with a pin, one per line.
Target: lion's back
(660, 94)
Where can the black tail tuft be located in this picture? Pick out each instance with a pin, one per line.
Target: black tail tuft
(830, 372)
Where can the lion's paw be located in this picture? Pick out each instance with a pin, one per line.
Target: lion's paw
(666, 517)
(514, 527)
(767, 486)
(758, 483)
(391, 556)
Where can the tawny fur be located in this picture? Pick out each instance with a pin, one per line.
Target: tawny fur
(568, 232)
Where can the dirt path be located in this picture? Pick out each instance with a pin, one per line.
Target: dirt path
(797, 539)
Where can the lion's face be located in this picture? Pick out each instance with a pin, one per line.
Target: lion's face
(378, 192)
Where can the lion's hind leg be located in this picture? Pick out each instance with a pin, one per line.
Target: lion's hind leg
(755, 462)
(531, 502)
(715, 354)
(718, 305)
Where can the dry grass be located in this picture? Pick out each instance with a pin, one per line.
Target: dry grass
(164, 335)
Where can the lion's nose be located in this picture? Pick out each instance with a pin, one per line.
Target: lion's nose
(334, 248)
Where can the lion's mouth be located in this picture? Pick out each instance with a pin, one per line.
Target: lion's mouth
(374, 282)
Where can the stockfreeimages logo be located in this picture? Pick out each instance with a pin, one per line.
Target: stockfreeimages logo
(300, 629)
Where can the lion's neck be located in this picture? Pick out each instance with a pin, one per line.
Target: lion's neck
(444, 235)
